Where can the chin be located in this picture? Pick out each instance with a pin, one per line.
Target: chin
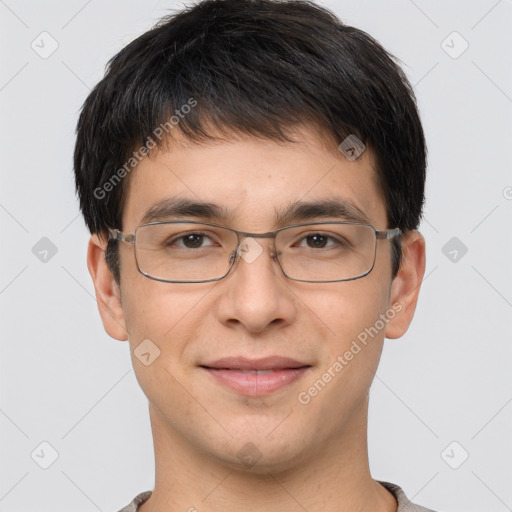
(258, 455)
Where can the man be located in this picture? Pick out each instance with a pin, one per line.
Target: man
(252, 173)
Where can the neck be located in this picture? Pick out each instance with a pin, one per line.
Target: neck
(335, 478)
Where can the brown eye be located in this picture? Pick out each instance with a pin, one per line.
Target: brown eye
(317, 241)
(190, 241)
(193, 241)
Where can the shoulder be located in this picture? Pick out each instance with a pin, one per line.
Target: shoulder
(404, 503)
(137, 501)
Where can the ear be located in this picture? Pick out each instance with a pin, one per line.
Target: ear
(406, 285)
(108, 294)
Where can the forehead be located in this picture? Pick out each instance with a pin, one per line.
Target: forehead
(254, 183)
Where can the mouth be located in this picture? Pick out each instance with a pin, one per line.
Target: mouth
(256, 377)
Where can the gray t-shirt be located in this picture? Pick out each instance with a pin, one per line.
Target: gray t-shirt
(404, 505)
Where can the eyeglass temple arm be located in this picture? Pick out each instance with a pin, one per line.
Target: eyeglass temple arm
(115, 234)
(389, 233)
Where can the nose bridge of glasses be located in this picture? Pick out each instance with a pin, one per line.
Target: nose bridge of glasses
(249, 248)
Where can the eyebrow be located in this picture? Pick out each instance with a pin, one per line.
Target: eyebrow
(298, 211)
(301, 211)
(170, 208)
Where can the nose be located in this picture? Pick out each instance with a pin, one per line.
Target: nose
(256, 294)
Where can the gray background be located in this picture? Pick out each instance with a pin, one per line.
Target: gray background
(66, 383)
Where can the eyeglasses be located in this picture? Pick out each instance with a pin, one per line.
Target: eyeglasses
(183, 251)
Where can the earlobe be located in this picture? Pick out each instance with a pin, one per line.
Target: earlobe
(406, 285)
(107, 290)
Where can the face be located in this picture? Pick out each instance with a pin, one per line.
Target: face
(256, 312)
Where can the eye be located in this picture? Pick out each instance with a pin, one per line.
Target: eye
(318, 241)
(191, 241)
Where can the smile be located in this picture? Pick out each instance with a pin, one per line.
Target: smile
(256, 382)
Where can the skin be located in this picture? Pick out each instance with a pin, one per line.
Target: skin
(313, 457)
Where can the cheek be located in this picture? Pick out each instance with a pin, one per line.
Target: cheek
(347, 309)
(156, 310)
(354, 339)
(172, 316)
(161, 324)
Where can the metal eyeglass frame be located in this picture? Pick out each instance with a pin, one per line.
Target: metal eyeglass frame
(116, 234)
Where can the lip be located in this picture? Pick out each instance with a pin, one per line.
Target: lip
(239, 373)
(264, 363)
